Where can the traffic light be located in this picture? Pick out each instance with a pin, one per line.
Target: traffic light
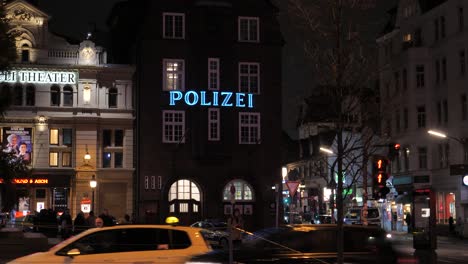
(379, 176)
(393, 150)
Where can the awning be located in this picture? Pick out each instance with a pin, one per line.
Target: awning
(404, 199)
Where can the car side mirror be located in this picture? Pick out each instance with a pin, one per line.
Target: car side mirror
(73, 252)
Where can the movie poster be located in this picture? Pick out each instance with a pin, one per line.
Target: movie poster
(18, 140)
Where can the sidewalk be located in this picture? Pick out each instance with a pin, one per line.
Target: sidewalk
(404, 236)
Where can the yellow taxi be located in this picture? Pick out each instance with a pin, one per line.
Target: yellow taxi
(125, 244)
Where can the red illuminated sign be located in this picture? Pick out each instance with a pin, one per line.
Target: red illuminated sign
(29, 181)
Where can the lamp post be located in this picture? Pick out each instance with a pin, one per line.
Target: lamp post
(93, 184)
(462, 141)
(87, 156)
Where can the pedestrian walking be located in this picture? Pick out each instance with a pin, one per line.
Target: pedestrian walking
(451, 226)
(408, 222)
(79, 224)
(91, 220)
(66, 224)
(235, 222)
(108, 219)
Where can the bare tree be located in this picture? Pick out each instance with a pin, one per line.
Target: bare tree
(337, 38)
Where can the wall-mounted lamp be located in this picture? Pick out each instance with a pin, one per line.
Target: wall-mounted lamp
(87, 156)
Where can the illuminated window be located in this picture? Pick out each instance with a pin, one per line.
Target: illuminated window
(248, 29)
(112, 144)
(184, 195)
(213, 74)
(173, 72)
(243, 191)
(61, 143)
(174, 25)
(249, 77)
(53, 159)
(173, 126)
(407, 38)
(146, 182)
(113, 97)
(87, 94)
(249, 128)
(213, 124)
(67, 96)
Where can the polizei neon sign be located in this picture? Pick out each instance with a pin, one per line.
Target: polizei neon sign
(203, 98)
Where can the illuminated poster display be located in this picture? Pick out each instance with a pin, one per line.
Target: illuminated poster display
(214, 98)
(28, 76)
(17, 140)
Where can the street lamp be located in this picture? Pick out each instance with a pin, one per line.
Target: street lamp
(462, 141)
(326, 150)
(93, 184)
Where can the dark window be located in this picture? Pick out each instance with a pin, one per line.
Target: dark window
(67, 136)
(436, 29)
(442, 27)
(66, 159)
(67, 96)
(25, 53)
(405, 79)
(113, 98)
(397, 122)
(119, 135)
(118, 159)
(462, 62)
(421, 116)
(30, 95)
(445, 105)
(437, 71)
(439, 113)
(419, 76)
(405, 118)
(397, 82)
(461, 19)
(106, 160)
(422, 157)
(40, 193)
(463, 106)
(54, 95)
(107, 138)
(444, 69)
(95, 243)
(18, 95)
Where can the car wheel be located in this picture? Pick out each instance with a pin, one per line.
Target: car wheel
(223, 243)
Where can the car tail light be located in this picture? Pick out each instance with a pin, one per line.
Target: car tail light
(407, 260)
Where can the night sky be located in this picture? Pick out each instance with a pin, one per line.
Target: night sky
(74, 19)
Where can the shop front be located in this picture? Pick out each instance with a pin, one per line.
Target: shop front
(397, 212)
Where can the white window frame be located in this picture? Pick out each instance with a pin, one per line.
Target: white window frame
(257, 125)
(113, 149)
(159, 182)
(248, 19)
(179, 72)
(56, 145)
(173, 15)
(146, 182)
(214, 73)
(249, 76)
(173, 124)
(153, 182)
(214, 123)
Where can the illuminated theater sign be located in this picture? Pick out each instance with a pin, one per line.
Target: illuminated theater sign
(28, 76)
(28, 181)
(203, 98)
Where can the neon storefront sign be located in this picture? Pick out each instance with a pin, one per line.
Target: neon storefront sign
(203, 98)
(28, 181)
(27, 76)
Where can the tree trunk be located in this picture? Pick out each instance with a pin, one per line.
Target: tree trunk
(339, 198)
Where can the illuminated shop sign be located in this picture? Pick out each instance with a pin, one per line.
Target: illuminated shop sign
(223, 99)
(21, 76)
(29, 181)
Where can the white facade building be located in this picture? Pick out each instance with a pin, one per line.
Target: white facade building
(423, 86)
(68, 102)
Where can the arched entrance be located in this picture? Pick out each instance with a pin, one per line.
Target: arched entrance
(184, 201)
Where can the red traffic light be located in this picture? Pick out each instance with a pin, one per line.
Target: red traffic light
(396, 146)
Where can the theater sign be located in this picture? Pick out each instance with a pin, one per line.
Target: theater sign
(31, 76)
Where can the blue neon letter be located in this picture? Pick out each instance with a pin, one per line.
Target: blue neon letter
(250, 100)
(174, 96)
(240, 100)
(226, 99)
(203, 99)
(187, 98)
(215, 98)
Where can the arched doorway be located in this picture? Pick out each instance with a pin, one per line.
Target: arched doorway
(184, 201)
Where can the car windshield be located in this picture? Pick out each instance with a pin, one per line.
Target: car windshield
(353, 214)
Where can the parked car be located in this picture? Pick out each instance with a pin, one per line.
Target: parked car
(215, 232)
(323, 219)
(125, 244)
(353, 216)
(25, 222)
(309, 244)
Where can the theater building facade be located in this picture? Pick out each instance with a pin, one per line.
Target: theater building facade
(71, 119)
(209, 111)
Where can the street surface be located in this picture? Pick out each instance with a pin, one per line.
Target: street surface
(449, 249)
